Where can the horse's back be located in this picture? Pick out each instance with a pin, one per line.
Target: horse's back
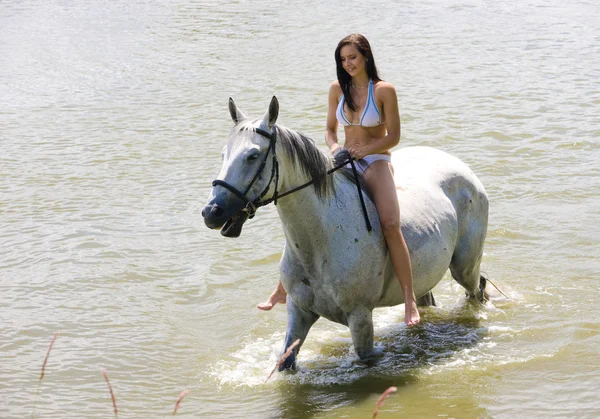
(433, 171)
(429, 166)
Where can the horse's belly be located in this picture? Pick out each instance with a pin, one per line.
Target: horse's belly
(430, 229)
(429, 263)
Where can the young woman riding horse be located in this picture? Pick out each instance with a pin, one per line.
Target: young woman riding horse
(367, 108)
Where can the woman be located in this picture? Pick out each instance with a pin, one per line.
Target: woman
(367, 108)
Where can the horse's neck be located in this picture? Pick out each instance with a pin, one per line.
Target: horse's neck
(319, 230)
(310, 220)
(304, 219)
(303, 208)
(304, 199)
(302, 213)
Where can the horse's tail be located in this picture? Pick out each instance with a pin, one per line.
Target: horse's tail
(483, 282)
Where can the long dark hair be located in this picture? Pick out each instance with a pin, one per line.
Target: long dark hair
(345, 80)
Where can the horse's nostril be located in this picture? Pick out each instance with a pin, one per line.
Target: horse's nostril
(212, 211)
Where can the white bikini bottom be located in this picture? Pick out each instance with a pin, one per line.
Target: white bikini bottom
(364, 163)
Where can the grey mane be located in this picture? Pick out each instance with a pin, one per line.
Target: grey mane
(313, 161)
(302, 151)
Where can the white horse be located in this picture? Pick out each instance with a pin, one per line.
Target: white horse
(331, 265)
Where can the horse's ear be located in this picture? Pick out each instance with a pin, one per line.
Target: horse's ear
(236, 114)
(272, 114)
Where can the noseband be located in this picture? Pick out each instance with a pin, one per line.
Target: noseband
(251, 206)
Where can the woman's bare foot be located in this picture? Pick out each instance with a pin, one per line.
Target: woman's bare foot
(277, 296)
(411, 314)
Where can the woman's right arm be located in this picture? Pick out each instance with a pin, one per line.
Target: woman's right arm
(331, 138)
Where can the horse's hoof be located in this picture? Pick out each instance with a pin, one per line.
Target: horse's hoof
(371, 357)
(289, 364)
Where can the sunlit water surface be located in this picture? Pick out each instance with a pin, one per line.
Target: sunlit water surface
(112, 119)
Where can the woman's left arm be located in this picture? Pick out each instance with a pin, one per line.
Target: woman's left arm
(392, 122)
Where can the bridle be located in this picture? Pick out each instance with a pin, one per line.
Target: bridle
(251, 206)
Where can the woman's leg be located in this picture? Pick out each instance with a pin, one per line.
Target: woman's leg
(277, 296)
(380, 181)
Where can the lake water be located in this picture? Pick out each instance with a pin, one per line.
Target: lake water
(112, 119)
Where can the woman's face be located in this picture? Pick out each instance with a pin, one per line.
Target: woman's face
(352, 60)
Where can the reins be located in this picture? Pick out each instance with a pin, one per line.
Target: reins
(252, 206)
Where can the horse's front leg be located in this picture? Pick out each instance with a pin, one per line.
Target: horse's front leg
(299, 323)
(360, 321)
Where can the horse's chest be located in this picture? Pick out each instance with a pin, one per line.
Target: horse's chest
(303, 267)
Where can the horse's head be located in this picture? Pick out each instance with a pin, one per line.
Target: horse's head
(247, 173)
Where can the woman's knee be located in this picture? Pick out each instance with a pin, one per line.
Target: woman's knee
(390, 225)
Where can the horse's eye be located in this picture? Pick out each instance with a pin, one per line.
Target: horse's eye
(252, 156)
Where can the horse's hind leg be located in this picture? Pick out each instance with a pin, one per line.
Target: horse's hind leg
(469, 277)
(298, 324)
(360, 322)
(426, 300)
(466, 260)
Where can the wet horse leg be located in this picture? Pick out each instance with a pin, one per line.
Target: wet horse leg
(466, 260)
(426, 300)
(360, 322)
(298, 324)
(464, 268)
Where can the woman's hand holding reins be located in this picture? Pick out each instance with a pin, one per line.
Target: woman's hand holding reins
(340, 156)
(358, 152)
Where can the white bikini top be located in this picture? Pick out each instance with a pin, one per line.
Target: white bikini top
(370, 116)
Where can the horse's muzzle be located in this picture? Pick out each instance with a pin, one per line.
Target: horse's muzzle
(213, 216)
(230, 224)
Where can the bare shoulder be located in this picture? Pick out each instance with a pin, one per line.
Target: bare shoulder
(335, 92)
(385, 89)
(335, 87)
